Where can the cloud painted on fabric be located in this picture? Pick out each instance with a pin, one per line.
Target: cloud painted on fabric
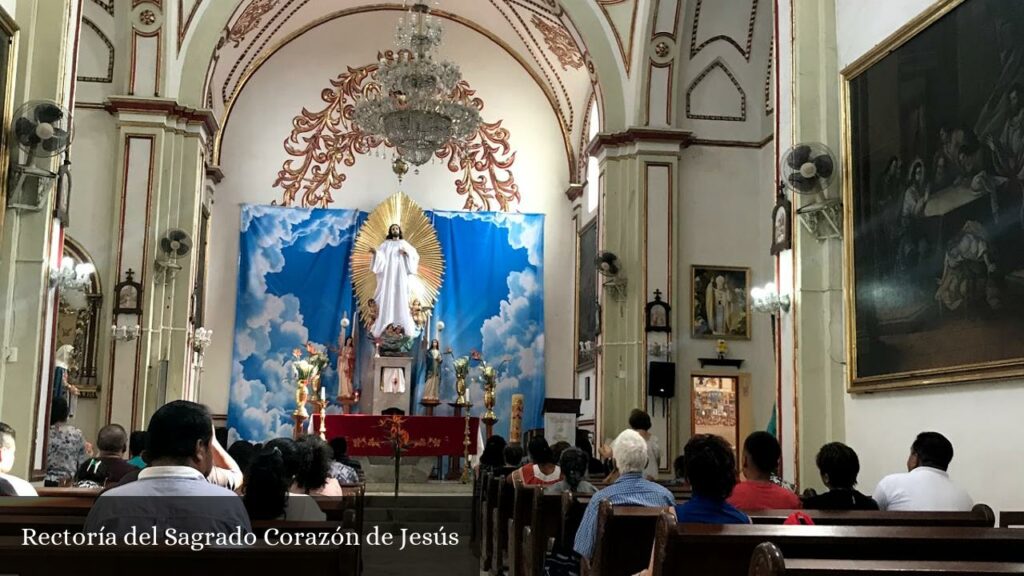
(525, 231)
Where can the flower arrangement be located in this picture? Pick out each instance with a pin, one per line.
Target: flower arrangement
(461, 367)
(309, 368)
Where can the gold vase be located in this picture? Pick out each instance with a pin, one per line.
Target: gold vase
(460, 389)
(301, 397)
(489, 414)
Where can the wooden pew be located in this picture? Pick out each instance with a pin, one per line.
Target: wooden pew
(489, 504)
(173, 561)
(480, 481)
(726, 550)
(545, 525)
(46, 506)
(769, 561)
(90, 493)
(573, 507)
(1008, 519)
(625, 535)
(499, 530)
(981, 516)
(522, 507)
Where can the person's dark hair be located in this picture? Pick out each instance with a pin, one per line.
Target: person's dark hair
(840, 463)
(243, 452)
(290, 452)
(679, 466)
(175, 428)
(266, 485)
(1016, 88)
(7, 436)
(573, 463)
(112, 438)
(639, 420)
(710, 466)
(933, 450)
(493, 455)
(401, 236)
(558, 448)
(583, 442)
(763, 450)
(58, 411)
(315, 458)
(137, 442)
(340, 447)
(7, 489)
(221, 433)
(540, 452)
(513, 455)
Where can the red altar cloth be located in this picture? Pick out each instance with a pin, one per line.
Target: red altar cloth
(429, 435)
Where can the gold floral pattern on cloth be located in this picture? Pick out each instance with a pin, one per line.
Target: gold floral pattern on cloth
(249, 20)
(323, 142)
(560, 43)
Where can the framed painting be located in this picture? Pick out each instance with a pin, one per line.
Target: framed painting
(587, 311)
(8, 66)
(714, 407)
(720, 302)
(933, 130)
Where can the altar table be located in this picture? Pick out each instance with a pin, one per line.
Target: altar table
(367, 434)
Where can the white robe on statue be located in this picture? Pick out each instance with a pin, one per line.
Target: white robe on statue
(393, 270)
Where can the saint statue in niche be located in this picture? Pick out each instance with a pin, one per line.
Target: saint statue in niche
(394, 261)
(347, 367)
(431, 388)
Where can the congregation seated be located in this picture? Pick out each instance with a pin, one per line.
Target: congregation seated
(313, 475)
(66, 447)
(926, 485)
(557, 448)
(838, 465)
(266, 491)
(242, 452)
(541, 470)
(513, 455)
(679, 472)
(573, 463)
(6, 488)
(595, 467)
(136, 444)
(7, 452)
(180, 458)
(339, 470)
(711, 472)
(630, 488)
(110, 466)
(641, 422)
(493, 457)
(761, 454)
(339, 445)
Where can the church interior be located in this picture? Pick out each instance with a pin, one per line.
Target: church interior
(427, 227)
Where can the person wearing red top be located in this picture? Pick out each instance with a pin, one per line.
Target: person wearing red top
(761, 454)
(542, 470)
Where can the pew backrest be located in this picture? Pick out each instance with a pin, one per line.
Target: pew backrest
(980, 517)
(768, 560)
(625, 535)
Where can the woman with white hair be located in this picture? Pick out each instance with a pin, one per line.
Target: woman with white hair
(631, 488)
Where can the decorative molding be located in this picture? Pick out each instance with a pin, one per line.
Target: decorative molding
(560, 43)
(636, 135)
(746, 52)
(164, 107)
(324, 142)
(214, 173)
(185, 22)
(574, 192)
(107, 7)
(717, 64)
(625, 50)
(248, 20)
(732, 143)
(769, 104)
(109, 78)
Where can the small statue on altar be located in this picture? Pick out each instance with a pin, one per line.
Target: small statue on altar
(374, 310)
(431, 388)
(347, 367)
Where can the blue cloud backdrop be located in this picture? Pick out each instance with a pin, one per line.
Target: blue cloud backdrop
(294, 285)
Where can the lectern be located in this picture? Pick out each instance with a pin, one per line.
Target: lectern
(560, 419)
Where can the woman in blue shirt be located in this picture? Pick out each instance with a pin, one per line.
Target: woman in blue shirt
(710, 468)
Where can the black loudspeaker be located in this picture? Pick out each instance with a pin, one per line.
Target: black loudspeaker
(661, 379)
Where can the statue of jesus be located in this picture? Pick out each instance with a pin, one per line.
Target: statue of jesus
(393, 262)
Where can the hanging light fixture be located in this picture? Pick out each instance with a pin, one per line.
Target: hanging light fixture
(416, 109)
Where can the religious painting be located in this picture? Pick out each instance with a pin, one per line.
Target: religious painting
(782, 225)
(720, 302)
(128, 295)
(8, 66)
(587, 313)
(657, 314)
(713, 407)
(934, 200)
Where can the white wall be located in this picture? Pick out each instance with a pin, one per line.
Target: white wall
(982, 419)
(294, 77)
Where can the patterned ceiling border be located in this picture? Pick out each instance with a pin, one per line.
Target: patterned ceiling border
(560, 43)
(695, 49)
(769, 105)
(742, 117)
(109, 78)
(626, 53)
(108, 7)
(185, 23)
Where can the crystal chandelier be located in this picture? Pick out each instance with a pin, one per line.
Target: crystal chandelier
(416, 109)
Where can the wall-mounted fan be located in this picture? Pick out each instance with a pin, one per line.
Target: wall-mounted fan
(608, 265)
(40, 129)
(809, 169)
(174, 244)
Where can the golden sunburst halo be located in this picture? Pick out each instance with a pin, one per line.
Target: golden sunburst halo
(418, 231)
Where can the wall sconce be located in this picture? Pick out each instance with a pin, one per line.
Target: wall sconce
(71, 275)
(767, 299)
(125, 333)
(201, 339)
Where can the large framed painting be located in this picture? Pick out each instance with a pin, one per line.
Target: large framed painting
(714, 402)
(720, 302)
(933, 188)
(587, 312)
(8, 66)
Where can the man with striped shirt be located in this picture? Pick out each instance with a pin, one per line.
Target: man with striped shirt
(631, 489)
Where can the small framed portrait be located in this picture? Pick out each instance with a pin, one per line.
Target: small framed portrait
(782, 225)
(657, 314)
(128, 295)
(720, 302)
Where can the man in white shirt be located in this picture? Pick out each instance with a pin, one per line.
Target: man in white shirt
(926, 487)
(180, 456)
(7, 446)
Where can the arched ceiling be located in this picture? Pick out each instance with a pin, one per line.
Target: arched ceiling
(537, 33)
